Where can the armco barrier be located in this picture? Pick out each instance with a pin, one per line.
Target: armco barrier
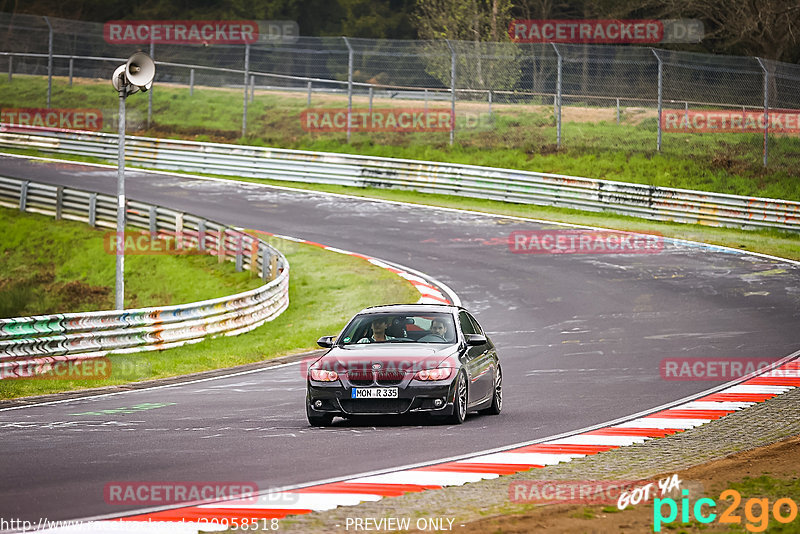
(658, 203)
(27, 343)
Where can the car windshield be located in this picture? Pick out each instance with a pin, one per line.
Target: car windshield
(400, 328)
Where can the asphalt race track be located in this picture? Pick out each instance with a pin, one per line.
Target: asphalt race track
(581, 338)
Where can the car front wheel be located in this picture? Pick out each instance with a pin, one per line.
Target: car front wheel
(318, 420)
(497, 396)
(459, 400)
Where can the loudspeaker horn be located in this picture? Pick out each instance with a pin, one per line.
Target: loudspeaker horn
(140, 70)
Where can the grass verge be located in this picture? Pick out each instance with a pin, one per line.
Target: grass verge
(325, 290)
(520, 136)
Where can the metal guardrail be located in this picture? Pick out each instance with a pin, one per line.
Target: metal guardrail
(29, 344)
(637, 200)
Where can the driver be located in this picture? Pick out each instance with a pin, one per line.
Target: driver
(438, 328)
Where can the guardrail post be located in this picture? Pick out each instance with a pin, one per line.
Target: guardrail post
(221, 239)
(254, 256)
(557, 97)
(59, 201)
(660, 95)
(23, 195)
(349, 84)
(239, 254)
(246, 76)
(150, 91)
(71, 66)
(452, 92)
(153, 221)
(273, 267)
(201, 235)
(93, 209)
(264, 264)
(179, 231)
(191, 82)
(49, 60)
(308, 102)
(766, 108)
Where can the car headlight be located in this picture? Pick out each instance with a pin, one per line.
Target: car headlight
(441, 373)
(323, 375)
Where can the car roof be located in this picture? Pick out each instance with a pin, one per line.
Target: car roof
(411, 308)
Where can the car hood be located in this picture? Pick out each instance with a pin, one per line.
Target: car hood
(389, 356)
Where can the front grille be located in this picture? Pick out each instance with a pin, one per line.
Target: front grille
(389, 378)
(360, 378)
(367, 406)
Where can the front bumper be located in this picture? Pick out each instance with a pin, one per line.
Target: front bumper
(414, 397)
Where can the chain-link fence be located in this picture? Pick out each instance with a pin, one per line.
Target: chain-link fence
(536, 97)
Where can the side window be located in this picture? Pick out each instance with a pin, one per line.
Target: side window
(475, 324)
(466, 324)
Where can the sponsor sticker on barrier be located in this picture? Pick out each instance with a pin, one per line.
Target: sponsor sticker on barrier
(126, 493)
(728, 121)
(716, 368)
(54, 118)
(376, 120)
(181, 31)
(577, 241)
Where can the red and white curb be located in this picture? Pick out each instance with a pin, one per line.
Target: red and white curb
(431, 291)
(723, 401)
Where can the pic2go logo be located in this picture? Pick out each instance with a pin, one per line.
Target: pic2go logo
(756, 511)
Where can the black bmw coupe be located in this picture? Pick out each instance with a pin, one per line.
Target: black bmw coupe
(406, 358)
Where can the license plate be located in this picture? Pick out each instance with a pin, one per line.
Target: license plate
(373, 393)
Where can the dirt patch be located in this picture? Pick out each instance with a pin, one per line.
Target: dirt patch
(779, 460)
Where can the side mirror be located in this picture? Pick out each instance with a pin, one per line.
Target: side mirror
(474, 340)
(326, 341)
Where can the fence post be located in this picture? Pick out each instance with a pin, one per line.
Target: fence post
(191, 82)
(766, 109)
(308, 103)
(426, 102)
(660, 96)
(10, 67)
(617, 111)
(246, 76)
(49, 60)
(557, 98)
(71, 65)
(370, 100)
(490, 102)
(452, 92)
(252, 88)
(349, 84)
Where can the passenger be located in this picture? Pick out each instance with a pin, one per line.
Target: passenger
(379, 326)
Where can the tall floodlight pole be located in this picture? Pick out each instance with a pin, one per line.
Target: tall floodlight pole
(137, 73)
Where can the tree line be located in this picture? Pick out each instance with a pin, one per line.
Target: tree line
(765, 28)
